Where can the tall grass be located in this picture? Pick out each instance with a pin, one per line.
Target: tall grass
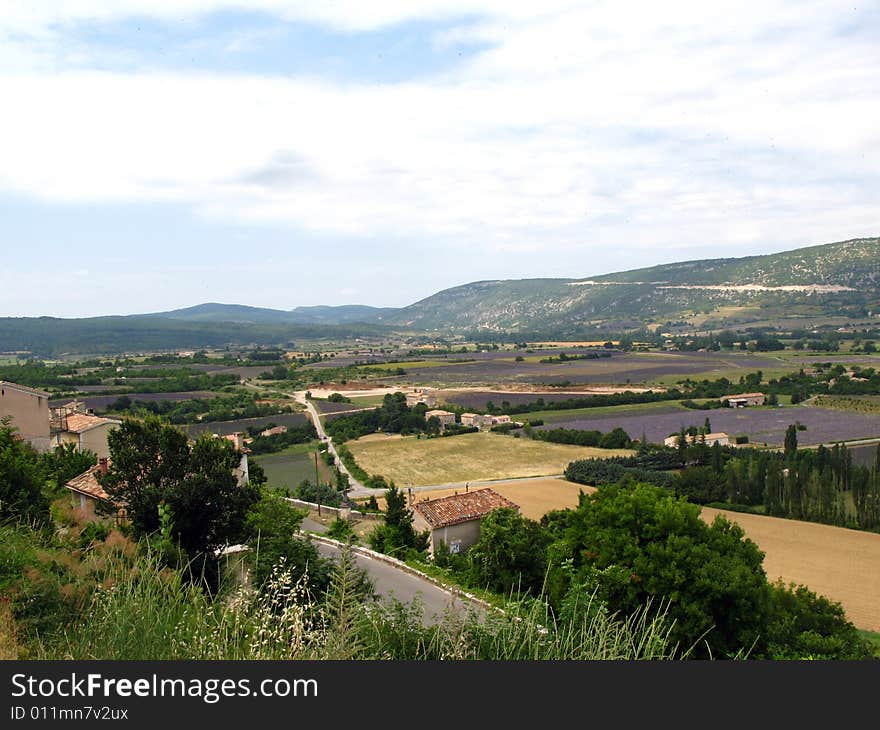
(149, 612)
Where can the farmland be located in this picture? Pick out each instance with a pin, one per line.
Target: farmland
(325, 406)
(496, 368)
(479, 398)
(411, 461)
(224, 428)
(100, 402)
(762, 425)
(835, 562)
(288, 468)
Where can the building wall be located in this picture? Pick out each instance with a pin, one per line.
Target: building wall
(462, 536)
(30, 415)
(95, 439)
(83, 505)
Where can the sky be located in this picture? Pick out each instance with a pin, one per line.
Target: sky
(157, 154)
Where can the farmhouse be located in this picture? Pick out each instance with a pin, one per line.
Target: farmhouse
(276, 431)
(744, 399)
(86, 492)
(710, 439)
(446, 418)
(455, 520)
(472, 420)
(28, 410)
(421, 395)
(83, 431)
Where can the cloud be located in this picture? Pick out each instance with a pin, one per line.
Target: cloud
(604, 124)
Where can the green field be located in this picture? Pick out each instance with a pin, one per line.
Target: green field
(293, 465)
(364, 401)
(411, 461)
(629, 409)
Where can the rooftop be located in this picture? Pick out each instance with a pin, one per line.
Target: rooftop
(80, 422)
(23, 388)
(459, 508)
(744, 395)
(87, 483)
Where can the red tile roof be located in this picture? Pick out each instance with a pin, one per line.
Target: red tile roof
(87, 483)
(79, 422)
(459, 508)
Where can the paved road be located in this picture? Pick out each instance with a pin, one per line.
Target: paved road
(357, 489)
(389, 580)
(310, 525)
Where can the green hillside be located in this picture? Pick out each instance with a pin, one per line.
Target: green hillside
(840, 279)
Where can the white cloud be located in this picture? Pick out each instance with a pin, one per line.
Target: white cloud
(614, 123)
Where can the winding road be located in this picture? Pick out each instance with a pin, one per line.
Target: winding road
(357, 488)
(390, 581)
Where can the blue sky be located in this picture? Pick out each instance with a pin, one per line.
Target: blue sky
(158, 154)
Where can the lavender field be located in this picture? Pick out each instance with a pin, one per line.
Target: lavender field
(478, 398)
(100, 402)
(224, 428)
(762, 425)
(619, 369)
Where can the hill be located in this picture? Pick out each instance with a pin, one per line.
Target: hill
(837, 279)
(214, 312)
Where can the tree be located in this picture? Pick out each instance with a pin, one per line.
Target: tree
(634, 542)
(804, 625)
(397, 535)
(66, 462)
(791, 442)
(21, 480)
(615, 439)
(152, 463)
(273, 528)
(510, 554)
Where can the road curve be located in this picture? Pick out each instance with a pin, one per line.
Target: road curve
(390, 581)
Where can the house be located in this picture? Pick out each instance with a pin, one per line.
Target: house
(499, 420)
(471, 420)
(710, 439)
(237, 440)
(85, 431)
(421, 395)
(276, 431)
(28, 411)
(87, 492)
(455, 520)
(744, 399)
(446, 418)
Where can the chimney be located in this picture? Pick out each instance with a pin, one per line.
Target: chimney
(102, 465)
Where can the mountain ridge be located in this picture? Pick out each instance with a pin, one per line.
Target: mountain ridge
(839, 279)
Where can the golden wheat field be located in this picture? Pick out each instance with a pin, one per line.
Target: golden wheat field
(410, 461)
(841, 564)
